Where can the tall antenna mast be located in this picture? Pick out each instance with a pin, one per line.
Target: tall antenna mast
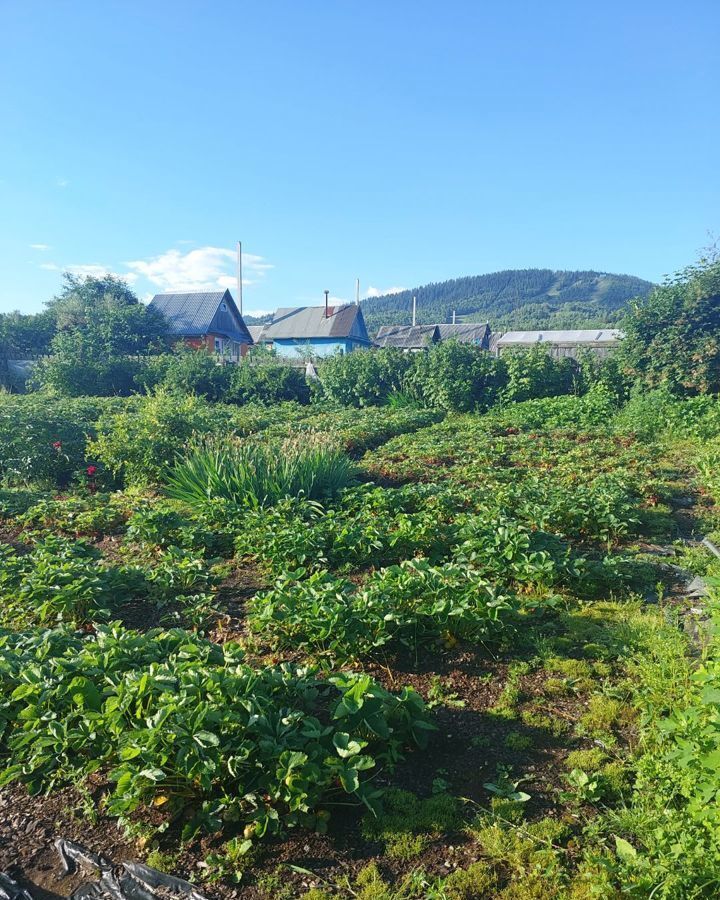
(239, 275)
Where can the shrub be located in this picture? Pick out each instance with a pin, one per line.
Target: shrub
(365, 378)
(258, 474)
(137, 447)
(267, 384)
(535, 373)
(187, 371)
(43, 438)
(456, 377)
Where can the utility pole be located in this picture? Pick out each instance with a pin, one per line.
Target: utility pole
(239, 275)
(414, 310)
(357, 292)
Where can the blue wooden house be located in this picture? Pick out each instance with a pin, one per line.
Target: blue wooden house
(317, 330)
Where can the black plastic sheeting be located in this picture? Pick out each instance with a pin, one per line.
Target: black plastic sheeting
(127, 881)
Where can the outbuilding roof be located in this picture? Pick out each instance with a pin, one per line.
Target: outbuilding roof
(578, 336)
(305, 323)
(196, 313)
(465, 332)
(257, 332)
(407, 337)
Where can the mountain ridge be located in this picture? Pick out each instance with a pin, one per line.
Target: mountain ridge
(513, 298)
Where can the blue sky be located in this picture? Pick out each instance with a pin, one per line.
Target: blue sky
(399, 142)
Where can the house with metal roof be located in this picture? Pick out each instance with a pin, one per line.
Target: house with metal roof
(600, 341)
(317, 330)
(205, 319)
(420, 337)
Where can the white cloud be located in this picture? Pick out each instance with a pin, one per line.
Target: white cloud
(40, 246)
(258, 312)
(379, 292)
(202, 269)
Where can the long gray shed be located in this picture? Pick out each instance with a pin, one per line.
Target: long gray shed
(600, 341)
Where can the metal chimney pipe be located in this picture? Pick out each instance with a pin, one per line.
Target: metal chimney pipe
(326, 304)
(453, 317)
(414, 310)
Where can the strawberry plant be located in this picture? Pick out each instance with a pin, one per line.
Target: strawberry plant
(184, 726)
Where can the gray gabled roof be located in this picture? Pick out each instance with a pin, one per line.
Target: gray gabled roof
(257, 332)
(465, 332)
(407, 337)
(304, 323)
(195, 313)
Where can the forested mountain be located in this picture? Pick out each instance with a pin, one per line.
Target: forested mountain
(515, 298)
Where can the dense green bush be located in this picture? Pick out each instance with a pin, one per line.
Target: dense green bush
(267, 383)
(138, 446)
(365, 378)
(43, 437)
(456, 377)
(672, 336)
(186, 371)
(535, 373)
(653, 413)
(594, 409)
(199, 372)
(103, 334)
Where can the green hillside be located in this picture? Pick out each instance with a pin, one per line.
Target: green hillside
(516, 298)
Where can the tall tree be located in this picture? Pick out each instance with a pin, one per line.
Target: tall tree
(672, 336)
(102, 328)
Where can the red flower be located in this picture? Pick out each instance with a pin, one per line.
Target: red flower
(57, 445)
(91, 470)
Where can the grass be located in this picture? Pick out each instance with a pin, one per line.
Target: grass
(255, 474)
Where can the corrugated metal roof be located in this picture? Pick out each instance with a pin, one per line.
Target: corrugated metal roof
(579, 336)
(303, 323)
(465, 332)
(256, 332)
(191, 313)
(407, 337)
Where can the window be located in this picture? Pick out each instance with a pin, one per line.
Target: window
(218, 345)
(223, 307)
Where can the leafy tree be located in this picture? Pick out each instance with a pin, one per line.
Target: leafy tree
(24, 336)
(672, 337)
(102, 330)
